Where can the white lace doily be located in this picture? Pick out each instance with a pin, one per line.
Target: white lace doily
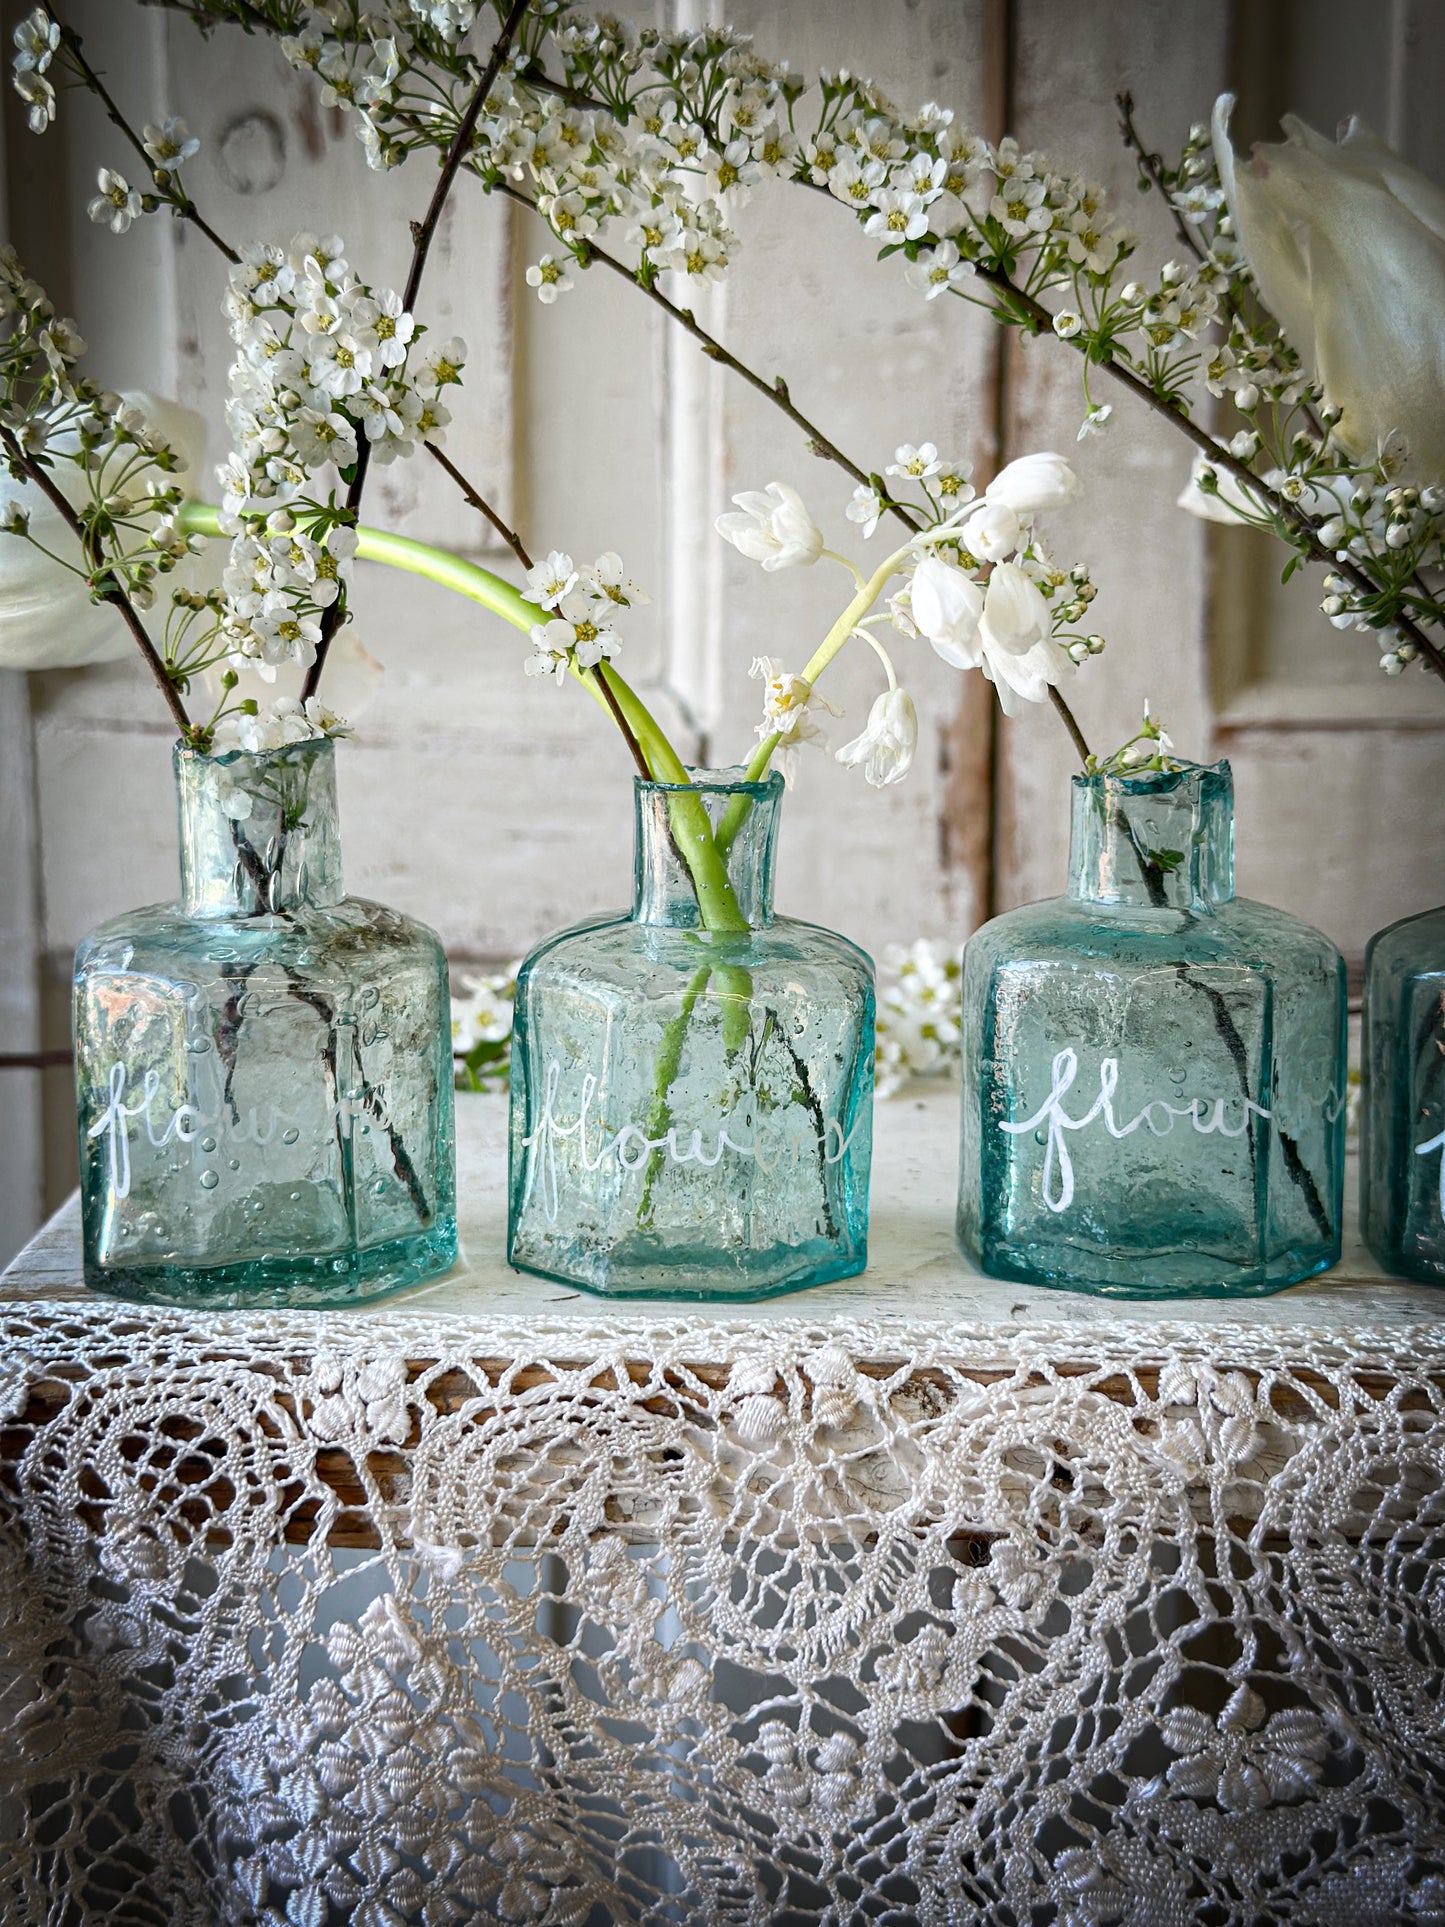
(581, 1618)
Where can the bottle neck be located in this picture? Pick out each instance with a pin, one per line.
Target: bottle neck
(1156, 841)
(742, 815)
(258, 832)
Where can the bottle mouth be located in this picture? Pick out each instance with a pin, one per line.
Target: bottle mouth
(732, 781)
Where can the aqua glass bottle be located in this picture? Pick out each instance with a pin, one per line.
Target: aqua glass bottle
(1402, 1116)
(1153, 1069)
(263, 1068)
(692, 1106)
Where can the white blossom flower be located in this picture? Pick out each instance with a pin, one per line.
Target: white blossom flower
(549, 277)
(117, 204)
(887, 744)
(572, 634)
(284, 633)
(320, 438)
(865, 508)
(1020, 208)
(937, 270)
(700, 255)
(39, 97)
(897, 216)
(387, 327)
(441, 363)
(171, 143)
(36, 38)
(608, 581)
(551, 579)
(787, 701)
(914, 464)
(731, 173)
(774, 528)
(775, 151)
(855, 181)
(1096, 420)
(337, 364)
(953, 484)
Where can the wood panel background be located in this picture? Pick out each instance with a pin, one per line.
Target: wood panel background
(498, 809)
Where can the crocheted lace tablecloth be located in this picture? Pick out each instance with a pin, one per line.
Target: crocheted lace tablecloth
(917, 1598)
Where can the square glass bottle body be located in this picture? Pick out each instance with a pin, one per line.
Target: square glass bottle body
(263, 1069)
(692, 1107)
(1402, 1118)
(1154, 1070)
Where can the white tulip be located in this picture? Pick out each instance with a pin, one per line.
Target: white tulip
(886, 746)
(774, 528)
(1034, 483)
(1347, 244)
(992, 532)
(47, 619)
(946, 606)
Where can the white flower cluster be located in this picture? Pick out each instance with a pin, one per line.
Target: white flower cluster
(117, 203)
(122, 494)
(584, 601)
(323, 360)
(790, 705)
(284, 721)
(1149, 750)
(655, 140)
(37, 38)
(482, 1030)
(977, 584)
(920, 1015)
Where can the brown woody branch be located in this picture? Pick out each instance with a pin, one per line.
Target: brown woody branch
(175, 195)
(480, 504)
(115, 595)
(423, 233)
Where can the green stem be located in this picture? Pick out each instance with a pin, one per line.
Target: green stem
(669, 1061)
(868, 593)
